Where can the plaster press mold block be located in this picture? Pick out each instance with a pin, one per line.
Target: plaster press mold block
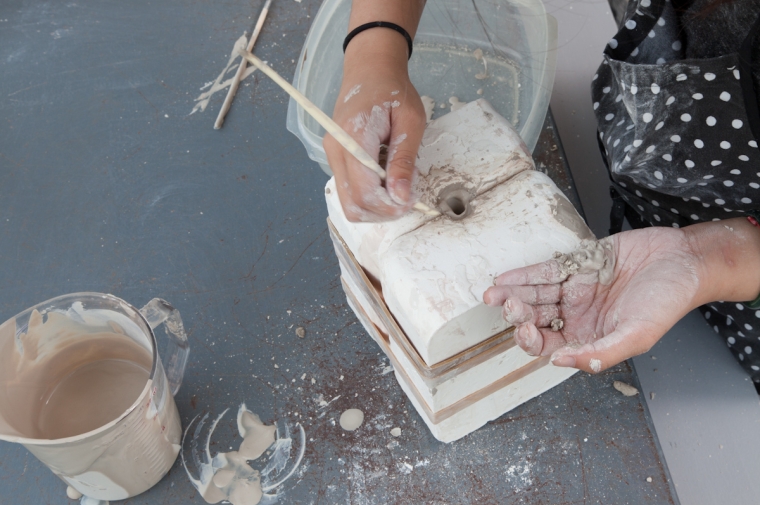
(417, 283)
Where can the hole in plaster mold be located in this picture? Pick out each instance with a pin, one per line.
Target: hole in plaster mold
(456, 205)
(454, 202)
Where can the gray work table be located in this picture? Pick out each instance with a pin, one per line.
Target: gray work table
(108, 184)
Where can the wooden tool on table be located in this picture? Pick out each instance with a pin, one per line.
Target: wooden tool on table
(241, 69)
(331, 126)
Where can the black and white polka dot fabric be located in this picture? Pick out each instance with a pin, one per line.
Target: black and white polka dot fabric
(680, 139)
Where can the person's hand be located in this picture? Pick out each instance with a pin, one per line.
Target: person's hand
(377, 105)
(650, 280)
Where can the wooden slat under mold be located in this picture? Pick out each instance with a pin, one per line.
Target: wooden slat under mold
(383, 341)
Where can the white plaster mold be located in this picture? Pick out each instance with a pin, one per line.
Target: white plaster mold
(417, 283)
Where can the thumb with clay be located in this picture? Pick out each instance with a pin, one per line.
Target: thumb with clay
(407, 128)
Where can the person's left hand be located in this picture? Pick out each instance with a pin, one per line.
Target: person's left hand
(653, 284)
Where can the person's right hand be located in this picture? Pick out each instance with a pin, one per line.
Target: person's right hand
(377, 105)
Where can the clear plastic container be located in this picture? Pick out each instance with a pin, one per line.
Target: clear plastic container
(518, 42)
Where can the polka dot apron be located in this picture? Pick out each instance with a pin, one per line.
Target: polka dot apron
(680, 141)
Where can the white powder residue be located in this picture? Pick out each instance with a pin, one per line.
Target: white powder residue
(353, 91)
(404, 467)
(520, 475)
(595, 365)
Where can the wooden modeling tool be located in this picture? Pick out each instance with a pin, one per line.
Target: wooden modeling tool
(241, 69)
(331, 126)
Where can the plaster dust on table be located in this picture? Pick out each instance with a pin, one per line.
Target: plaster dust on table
(220, 83)
(229, 476)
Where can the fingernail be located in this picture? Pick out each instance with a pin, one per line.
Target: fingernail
(567, 361)
(529, 339)
(400, 191)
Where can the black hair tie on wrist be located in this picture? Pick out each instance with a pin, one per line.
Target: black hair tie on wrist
(378, 24)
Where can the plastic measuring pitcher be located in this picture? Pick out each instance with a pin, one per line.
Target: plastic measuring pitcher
(83, 388)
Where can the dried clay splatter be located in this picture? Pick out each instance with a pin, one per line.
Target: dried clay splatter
(228, 476)
(478, 53)
(219, 83)
(351, 419)
(624, 388)
(456, 104)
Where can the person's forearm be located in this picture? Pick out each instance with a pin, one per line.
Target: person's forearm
(729, 254)
(405, 13)
(382, 46)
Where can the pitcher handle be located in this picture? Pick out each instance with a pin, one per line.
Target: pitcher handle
(159, 311)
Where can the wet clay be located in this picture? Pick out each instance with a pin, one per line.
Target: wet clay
(60, 378)
(351, 419)
(228, 476)
(592, 256)
(557, 324)
(234, 480)
(91, 396)
(65, 382)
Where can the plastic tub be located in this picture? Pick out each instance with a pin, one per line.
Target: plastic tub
(518, 40)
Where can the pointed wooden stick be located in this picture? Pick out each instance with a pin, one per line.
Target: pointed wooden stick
(331, 126)
(241, 69)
